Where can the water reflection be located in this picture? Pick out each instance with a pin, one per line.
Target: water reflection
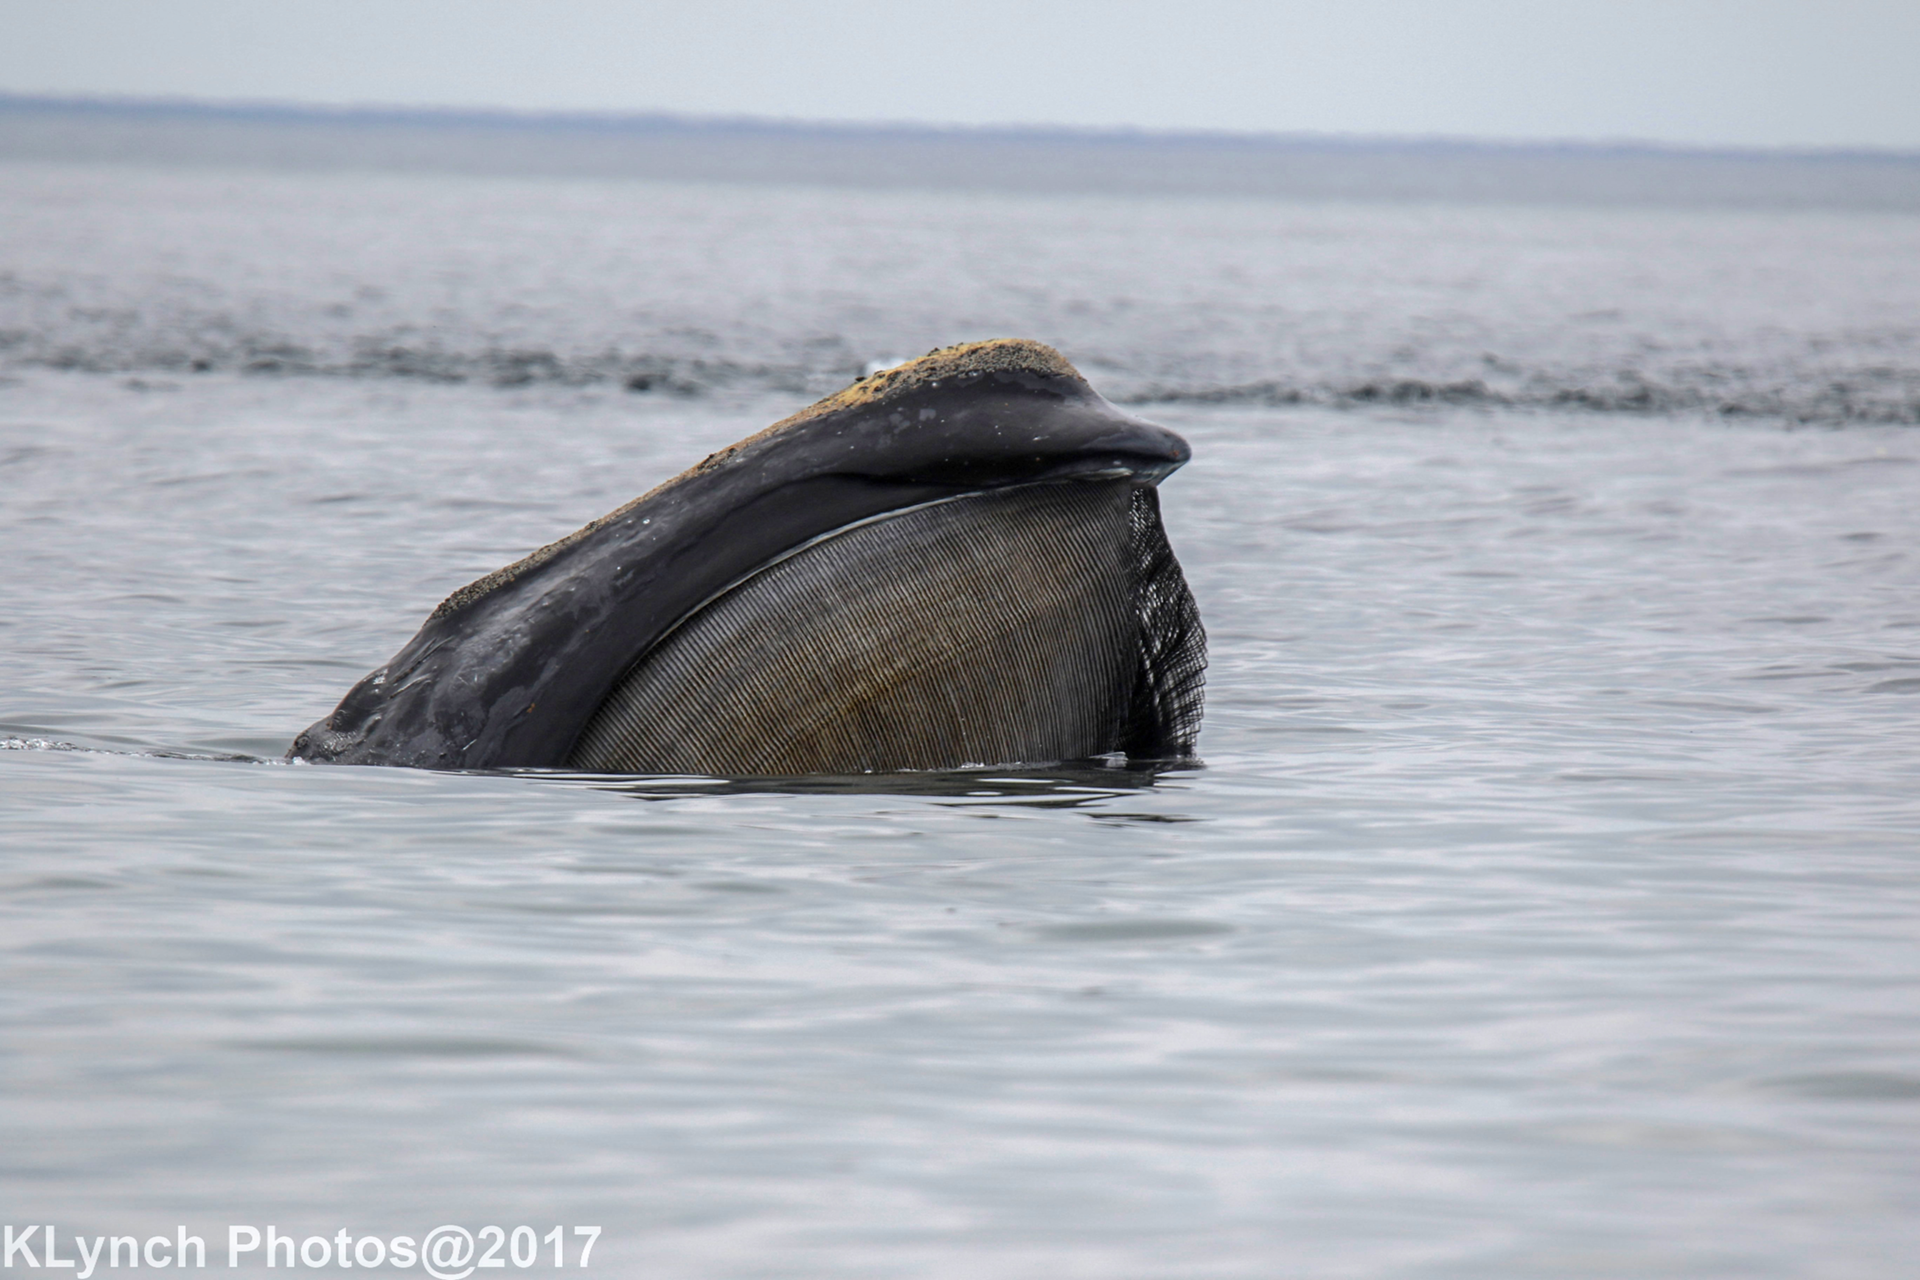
(1068, 785)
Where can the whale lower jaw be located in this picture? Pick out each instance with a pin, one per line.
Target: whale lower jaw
(1000, 627)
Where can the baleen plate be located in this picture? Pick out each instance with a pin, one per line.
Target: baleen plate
(995, 628)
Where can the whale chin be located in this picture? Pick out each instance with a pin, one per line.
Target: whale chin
(1012, 626)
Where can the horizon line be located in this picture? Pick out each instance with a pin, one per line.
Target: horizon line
(263, 109)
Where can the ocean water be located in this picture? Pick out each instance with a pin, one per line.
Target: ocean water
(1547, 901)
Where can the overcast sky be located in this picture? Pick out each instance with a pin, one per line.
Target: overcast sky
(1719, 72)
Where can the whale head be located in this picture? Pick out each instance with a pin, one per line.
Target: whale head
(958, 561)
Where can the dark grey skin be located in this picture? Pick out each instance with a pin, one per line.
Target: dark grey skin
(508, 671)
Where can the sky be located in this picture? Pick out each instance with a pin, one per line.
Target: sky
(1742, 73)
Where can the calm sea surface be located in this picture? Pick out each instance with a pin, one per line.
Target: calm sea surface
(1548, 902)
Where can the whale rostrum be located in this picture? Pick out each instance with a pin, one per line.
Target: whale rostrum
(956, 562)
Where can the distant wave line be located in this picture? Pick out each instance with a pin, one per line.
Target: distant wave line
(1880, 394)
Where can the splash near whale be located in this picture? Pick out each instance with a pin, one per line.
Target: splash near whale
(956, 562)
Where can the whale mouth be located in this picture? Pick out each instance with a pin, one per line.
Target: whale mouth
(1036, 623)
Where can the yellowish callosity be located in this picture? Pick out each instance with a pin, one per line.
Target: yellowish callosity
(967, 359)
(1001, 355)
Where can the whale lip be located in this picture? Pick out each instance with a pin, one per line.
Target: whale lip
(1142, 452)
(1137, 469)
(506, 670)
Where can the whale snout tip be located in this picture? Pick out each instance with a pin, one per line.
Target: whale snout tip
(1139, 451)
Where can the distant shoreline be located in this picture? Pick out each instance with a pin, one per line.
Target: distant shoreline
(268, 111)
(1035, 159)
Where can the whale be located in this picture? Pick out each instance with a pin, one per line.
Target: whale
(954, 563)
